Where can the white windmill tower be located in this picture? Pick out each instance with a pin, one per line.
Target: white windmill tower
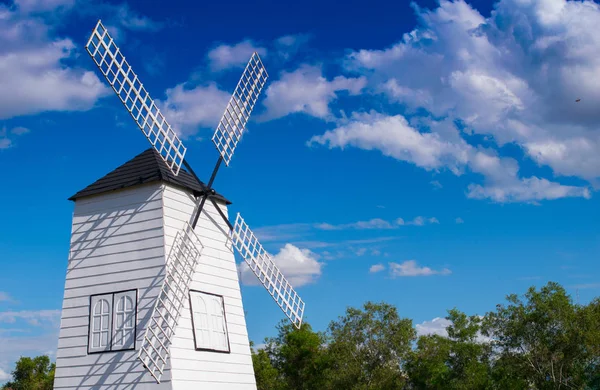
(133, 316)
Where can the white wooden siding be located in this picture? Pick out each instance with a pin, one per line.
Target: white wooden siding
(117, 244)
(217, 274)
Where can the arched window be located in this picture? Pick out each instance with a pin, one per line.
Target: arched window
(100, 326)
(112, 321)
(208, 320)
(124, 321)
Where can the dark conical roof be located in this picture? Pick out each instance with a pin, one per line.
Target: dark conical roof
(146, 167)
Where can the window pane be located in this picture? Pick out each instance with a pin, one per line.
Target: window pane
(100, 323)
(208, 320)
(124, 320)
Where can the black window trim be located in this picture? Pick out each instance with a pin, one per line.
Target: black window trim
(224, 319)
(111, 322)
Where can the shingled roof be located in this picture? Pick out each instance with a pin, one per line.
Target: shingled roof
(146, 167)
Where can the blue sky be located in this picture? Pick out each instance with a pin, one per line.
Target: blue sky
(430, 155)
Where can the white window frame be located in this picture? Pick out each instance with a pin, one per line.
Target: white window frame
(103, 319)
(114, 317)
(209, 324)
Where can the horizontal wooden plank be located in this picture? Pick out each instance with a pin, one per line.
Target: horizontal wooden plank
(148, 191)
(118, 267)
(107, 279)
(138, 226)
(195, 385)
(118, 217)
(139, 283)
(117, 249)
(211, 376)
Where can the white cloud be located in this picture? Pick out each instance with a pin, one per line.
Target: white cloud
(436, 184)
(377, 223)
(39, 317)
(131, 20)
(288, 46)
(436, 326)
(118, 18)
(4, 376)
(233, 56)
(7, 137)
(5, 143)
(305, 90)
(513, 77)
(33, 77)
(395, 137)
(443, 148)
(35, 6)
(459, 220)
(191, 108)
(4, 297)
(299, 266)
(376, 268)
(360, 251)
(410, 268)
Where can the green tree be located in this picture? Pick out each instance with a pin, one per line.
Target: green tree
(459, 361)
(543, 340)
(591, 328)
(427, 366)
(267, 376)
(32, 374)
(368, 347)
(298, 355)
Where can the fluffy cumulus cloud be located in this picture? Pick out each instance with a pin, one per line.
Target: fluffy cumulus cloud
(436, 326)
(526, 75)
(233, 56)
(38, 66)
(299, 266)
(443, 147)
(411, 268)
(190, 108)
(406, 269)
(376, 268)
(306, 90)
(34, 76)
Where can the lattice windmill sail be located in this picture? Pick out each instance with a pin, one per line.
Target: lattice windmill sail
(135, 98)
(185, 258)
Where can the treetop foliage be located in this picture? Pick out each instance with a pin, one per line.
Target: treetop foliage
(539, 341)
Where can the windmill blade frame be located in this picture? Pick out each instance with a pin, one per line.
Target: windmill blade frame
(231, 127)
(125, 83)
(263, 267)
(181, 265)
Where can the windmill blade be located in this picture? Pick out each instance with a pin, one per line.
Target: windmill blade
(181, 265)
(266, 271)
(240, 106)
(133, 95)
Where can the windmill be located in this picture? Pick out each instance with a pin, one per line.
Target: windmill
(184, 255)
